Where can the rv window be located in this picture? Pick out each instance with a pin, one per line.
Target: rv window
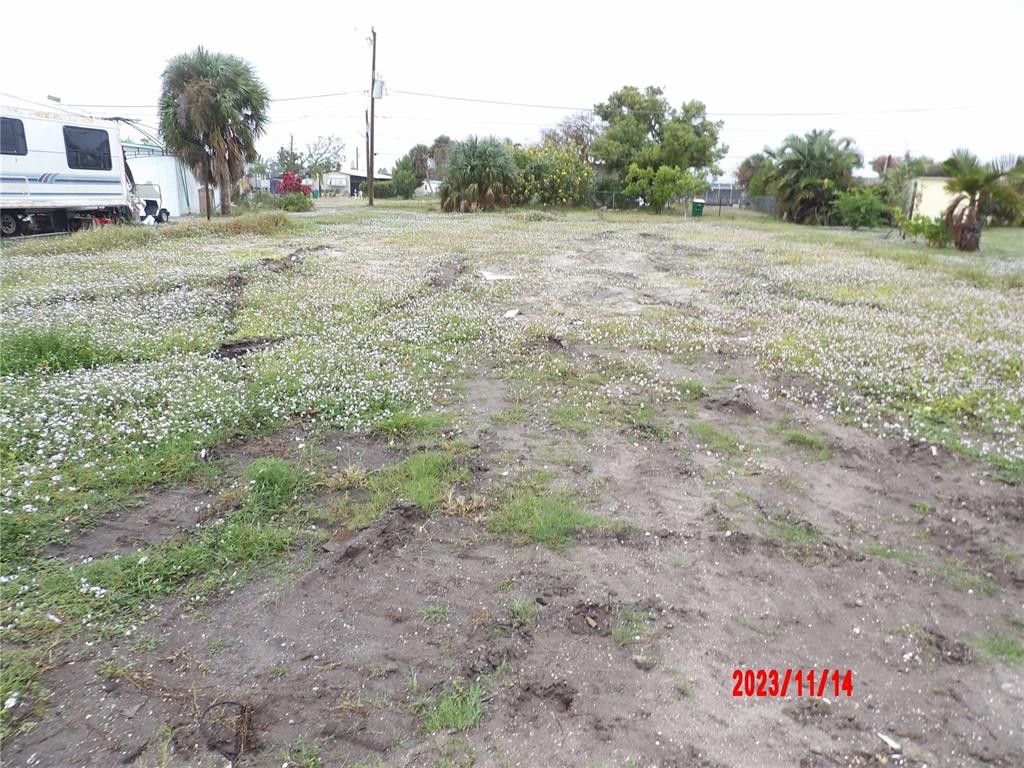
(87, 148)
(12, 137)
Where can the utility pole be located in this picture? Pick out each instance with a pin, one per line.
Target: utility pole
(373, 88)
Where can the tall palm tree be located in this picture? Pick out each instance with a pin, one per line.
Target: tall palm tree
(809, 171)
(440, 151)
(212, 110)
(973, 181)
(419, 156)
(481, 173)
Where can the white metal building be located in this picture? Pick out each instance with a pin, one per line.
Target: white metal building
(153, 164)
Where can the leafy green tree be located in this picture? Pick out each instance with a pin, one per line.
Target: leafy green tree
(973, 180)
(808, 172)
(659, 187)
(403, 178)
(481, 174)
(643, 128)
(288, 161)
(212, 108)
(325, 154)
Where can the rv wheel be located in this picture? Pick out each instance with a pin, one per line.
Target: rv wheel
(163, 216)
(10, 224)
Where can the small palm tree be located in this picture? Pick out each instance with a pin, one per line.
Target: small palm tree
(973, 181)
(481, 174)
(808, 172)
(212, 110)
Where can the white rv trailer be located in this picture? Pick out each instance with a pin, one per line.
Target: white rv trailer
(58, 171)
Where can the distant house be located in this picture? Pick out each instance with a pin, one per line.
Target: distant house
(153, 164)
(357, 180)
(337, 183)
(427, 188)
(929, 197)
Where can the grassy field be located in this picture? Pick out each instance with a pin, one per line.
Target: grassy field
(484, 360)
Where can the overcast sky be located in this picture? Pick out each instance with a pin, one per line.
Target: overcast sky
(928, 76)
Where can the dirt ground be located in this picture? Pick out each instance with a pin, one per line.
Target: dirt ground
(328, 653)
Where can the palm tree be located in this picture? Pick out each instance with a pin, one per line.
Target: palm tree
(419, 156)
(808, 172)
(973, 181)
(481, 172)
(440, 150)
(212, 110)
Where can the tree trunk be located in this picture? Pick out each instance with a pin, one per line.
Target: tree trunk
(970, 233)
(964, 225)
(209, 181)
(224, 182)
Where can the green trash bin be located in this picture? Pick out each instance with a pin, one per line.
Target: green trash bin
(697, 209)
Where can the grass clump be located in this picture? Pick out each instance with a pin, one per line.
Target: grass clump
(272, 484)
(572, 418)
(641, 421)
(814, 444)
(523, 614)
(792, 534)
(18, 683)
(533, 516)
(426, 479)
(436, 613)
(630, 627)
(966, 580)
(1002, 648)
(460, 708)
(264, 223)
(715, 439)
(403, 425)
(690, 390)
(52, 350)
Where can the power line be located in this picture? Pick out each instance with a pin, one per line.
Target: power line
(714, 114)
(491, 101)
(156, 106)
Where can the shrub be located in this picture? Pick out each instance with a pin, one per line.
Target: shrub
(552, 175)
(659, 187)
(383, 189)
(257, 200)
(481, 174)
(934, 231)
(291, 183)
(296, 202)
(807, 172)
(404, 182)
(859, 207)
